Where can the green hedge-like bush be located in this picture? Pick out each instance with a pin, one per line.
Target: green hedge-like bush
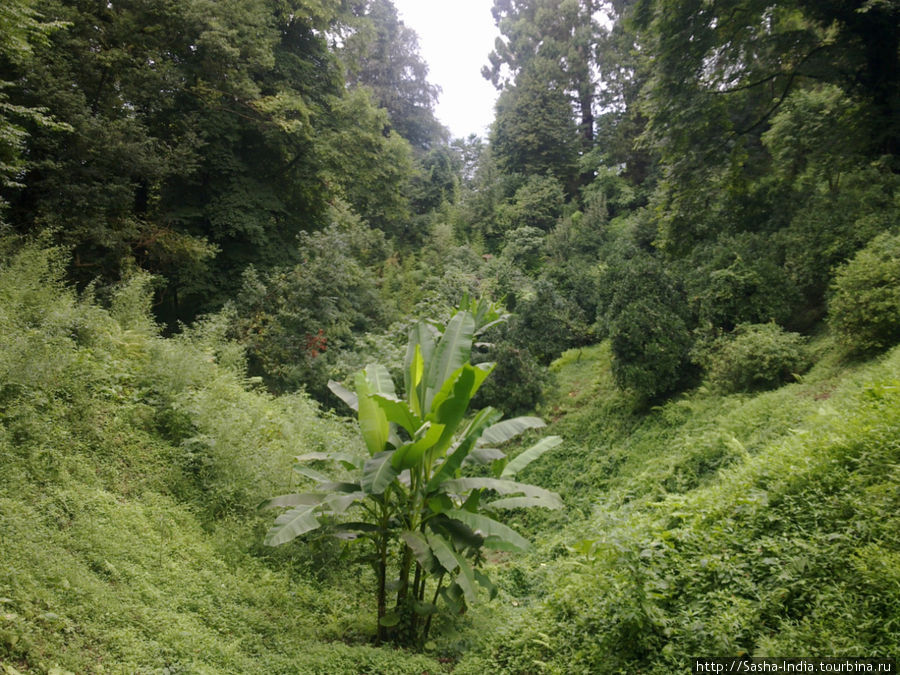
(864, 308)
(756, 357)
(518, 381)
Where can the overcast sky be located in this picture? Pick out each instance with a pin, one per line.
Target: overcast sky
(455, 38)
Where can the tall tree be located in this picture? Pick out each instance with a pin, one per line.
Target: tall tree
(383, 55)
(20, 29)
(534, 132)
(557, 32)
(207, 136)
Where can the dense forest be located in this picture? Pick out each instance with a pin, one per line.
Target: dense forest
(292, 381)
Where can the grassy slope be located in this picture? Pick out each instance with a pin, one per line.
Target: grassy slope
(713, 525)
(130, 467)
(129, 542)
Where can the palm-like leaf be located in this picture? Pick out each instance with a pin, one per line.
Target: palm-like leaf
(503, 487)
(496, 535)
(507, 429)
(398, 412)
(411, 454)
(379, 379)
(529, 455)
(451, 352)
(451, 465)
(291, 524)
(344, 394)
(372, 421)
(378, 473)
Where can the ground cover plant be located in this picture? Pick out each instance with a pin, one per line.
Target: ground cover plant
(742, 524)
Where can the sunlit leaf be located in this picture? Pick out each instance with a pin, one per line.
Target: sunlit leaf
(344, 394)
(411, 454)
(311, 473)
(451, 465)
(419, 351)
(398, 412)
(379, 379)
(292, 524)
(372, 421)
(484, 456)
(344, 458)
(503, 487)
(451, 352)
(507, 429)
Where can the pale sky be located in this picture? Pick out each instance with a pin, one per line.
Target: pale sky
(455, 38)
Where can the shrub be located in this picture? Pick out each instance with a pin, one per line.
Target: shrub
(518, 381)
(645, 316)
(292, 320)
(864, 309)
(547, 322)
(650, 344)
(537, 204)
(756, 357)
(739, 279)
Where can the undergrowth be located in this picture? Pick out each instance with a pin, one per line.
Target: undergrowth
(712, 526)
(131, 467)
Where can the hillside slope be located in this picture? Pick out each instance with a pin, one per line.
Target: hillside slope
(130, 471)
(713, 525)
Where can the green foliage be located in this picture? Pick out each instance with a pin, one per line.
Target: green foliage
(21, 28)
(436, 181)
(517, 383)
(813, 138)
(754, 357)
(864, 308)
(538, 203)
(647, 323)
(130, 471)
(830, 225)
(371, 166)
(556, 39)
(738, 280)
(524, 247)
(534, 132)
(205, 140)
(296, 321)
(410, 489)
(382, 55)
(546, 322)
(758, 524)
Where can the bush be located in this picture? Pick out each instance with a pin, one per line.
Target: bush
(650, 344)
(547, 322)
(518, 381)
(292, 320)
(864, 309)
(756, 357)
(645, 317)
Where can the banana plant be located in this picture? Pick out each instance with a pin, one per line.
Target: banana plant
(411, 494)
